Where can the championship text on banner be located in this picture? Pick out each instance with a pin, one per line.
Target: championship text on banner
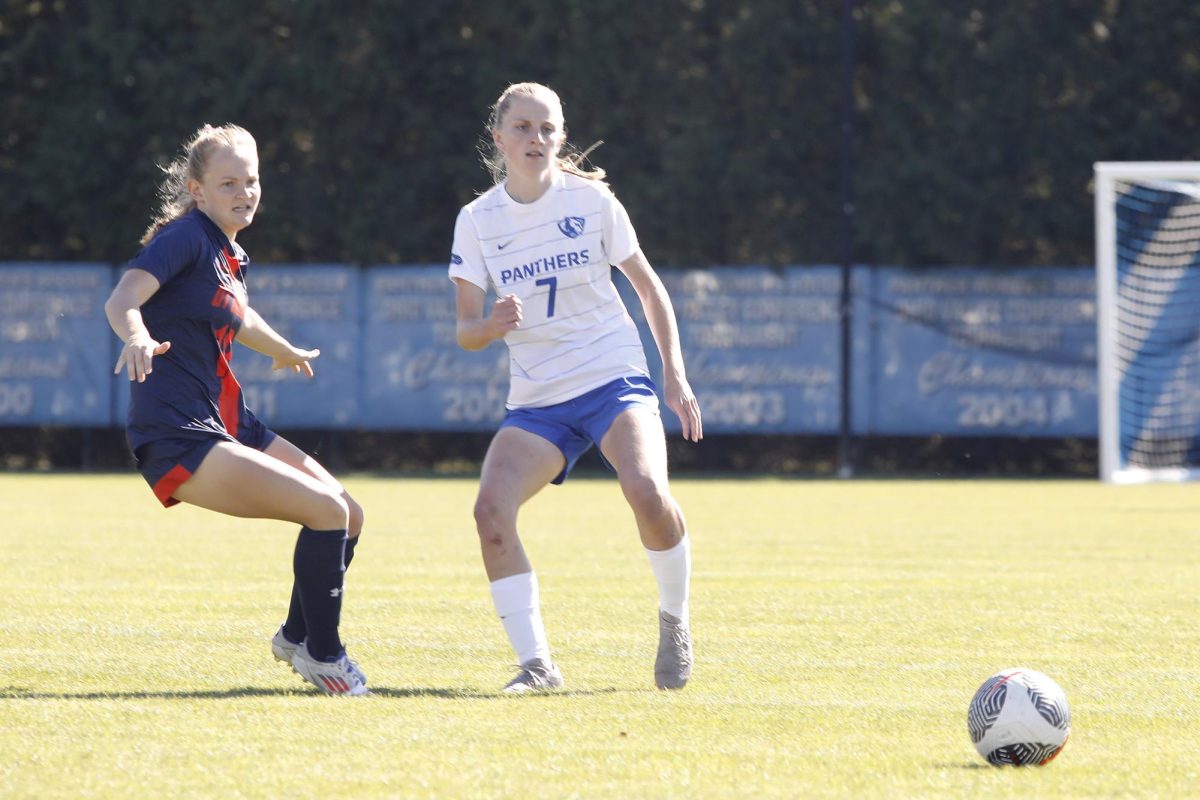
(56, 350)
(975, 352)
(417, 377)
(315, 307)
(760, 346)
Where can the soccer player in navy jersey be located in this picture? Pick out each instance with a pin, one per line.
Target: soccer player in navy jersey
(545, 237)
(178, 308)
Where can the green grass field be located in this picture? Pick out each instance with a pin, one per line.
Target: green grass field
(841, 629)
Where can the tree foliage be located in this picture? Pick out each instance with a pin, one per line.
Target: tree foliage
(976, 124)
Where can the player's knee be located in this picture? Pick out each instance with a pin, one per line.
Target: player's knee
(490, 516)
(354, 514)
(649, 499)
(330, 513)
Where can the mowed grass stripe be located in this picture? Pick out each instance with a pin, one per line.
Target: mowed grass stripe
(841, 629)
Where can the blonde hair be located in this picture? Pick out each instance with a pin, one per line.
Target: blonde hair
(568, 160)
(174, 198)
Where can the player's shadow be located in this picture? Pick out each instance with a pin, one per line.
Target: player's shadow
(470, 694)
(19, 693)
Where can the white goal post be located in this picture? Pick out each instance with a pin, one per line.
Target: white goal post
(1148, 320)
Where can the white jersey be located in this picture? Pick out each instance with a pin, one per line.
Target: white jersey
(556, 255)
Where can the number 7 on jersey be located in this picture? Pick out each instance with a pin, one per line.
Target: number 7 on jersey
(553, 284)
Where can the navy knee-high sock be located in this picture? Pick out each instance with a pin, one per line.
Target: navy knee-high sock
(319, 566)
(294, 628)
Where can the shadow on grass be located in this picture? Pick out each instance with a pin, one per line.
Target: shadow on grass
(963, 765)
(19, 693)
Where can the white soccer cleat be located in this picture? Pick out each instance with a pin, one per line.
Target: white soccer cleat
(340, 677)
(536, 675)
(282, 648)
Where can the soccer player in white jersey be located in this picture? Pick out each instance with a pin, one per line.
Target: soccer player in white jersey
(545, 238)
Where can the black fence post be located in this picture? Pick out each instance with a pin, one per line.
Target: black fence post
(845, 446)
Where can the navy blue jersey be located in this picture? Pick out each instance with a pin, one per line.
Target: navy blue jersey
(198, 308)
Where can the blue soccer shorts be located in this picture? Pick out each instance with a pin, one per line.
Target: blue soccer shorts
(574, 425)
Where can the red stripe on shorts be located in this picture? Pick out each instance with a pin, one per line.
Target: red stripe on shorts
(167, 484)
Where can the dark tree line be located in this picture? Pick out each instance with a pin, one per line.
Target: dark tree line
(976, 123)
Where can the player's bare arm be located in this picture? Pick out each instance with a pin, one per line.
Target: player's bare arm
(660, 315)
(123, 309)
(473, 330)
(260, 337)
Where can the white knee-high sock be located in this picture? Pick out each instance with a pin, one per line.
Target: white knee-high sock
(673, 570)
(517, 603)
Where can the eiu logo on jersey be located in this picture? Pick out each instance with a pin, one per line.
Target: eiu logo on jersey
(572, 227)
(455, 258)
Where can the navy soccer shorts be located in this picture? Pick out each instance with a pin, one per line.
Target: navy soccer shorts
(167, 463)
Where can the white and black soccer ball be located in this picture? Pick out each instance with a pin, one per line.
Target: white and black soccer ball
(1019, 717)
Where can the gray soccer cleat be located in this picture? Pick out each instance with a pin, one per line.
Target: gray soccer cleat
(282, 648)
(673, 666)
(536, 675)
(341, 677)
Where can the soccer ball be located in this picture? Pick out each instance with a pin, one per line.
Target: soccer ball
(1019, 717)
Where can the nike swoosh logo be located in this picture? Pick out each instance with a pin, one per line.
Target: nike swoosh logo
(506, 244)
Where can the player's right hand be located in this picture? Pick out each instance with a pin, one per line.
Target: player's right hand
(137, 357)
(506, 315)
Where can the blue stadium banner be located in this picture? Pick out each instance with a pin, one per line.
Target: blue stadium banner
(960, 351)
(761, 346)
(317, 307)
(56, 349)
(416, 376)
(314, 306)
(970, 351)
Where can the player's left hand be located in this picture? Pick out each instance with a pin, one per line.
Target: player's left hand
(298, 360)
(682, 400)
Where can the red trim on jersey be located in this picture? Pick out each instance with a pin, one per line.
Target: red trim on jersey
(231, 261)
(168, 483)
(228, 402)
(229, 399)
(227, 298)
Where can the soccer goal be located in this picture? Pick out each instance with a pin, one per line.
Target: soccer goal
(1148, 304)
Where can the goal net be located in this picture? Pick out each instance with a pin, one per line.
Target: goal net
(1148, 294)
